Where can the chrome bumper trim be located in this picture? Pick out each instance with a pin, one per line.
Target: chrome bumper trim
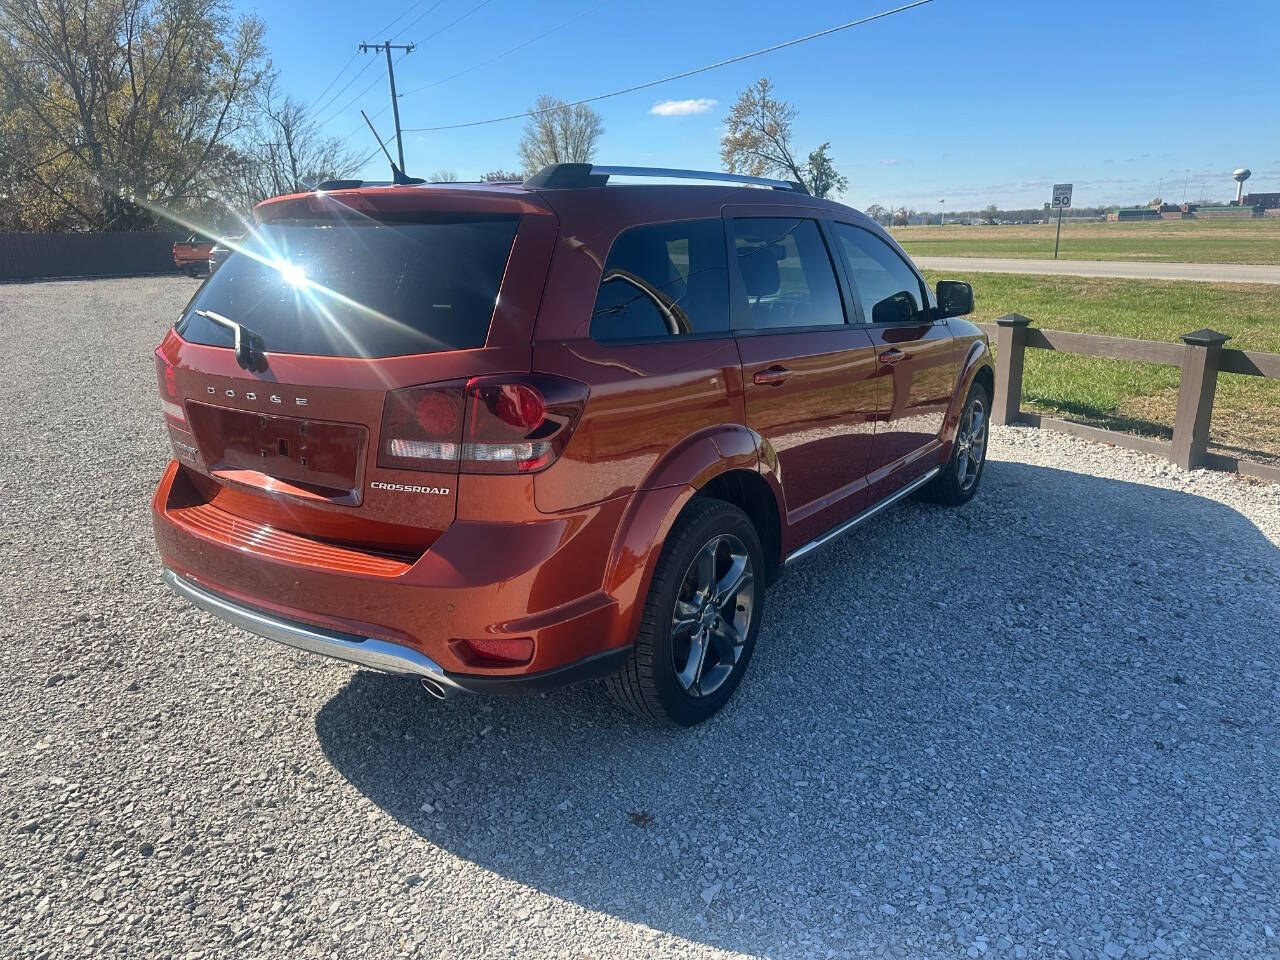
(866, 514)
(363, 651)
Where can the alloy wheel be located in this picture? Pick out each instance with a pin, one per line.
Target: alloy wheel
(971, 444)
(712, 615)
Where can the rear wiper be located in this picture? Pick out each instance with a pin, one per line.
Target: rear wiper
(250, 348)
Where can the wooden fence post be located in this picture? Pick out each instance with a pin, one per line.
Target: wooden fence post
(1011, 346)
(1195, 396)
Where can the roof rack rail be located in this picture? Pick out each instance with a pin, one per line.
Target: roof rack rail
(567, 176)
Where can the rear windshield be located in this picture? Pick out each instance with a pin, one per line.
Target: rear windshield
(359, 288)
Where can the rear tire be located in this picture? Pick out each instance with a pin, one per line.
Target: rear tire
(700, 620)
(962, 473)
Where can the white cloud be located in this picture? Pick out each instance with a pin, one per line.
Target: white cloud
(682, 108)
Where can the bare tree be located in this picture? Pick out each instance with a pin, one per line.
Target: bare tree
(757, 142)
(115, 109)
(443, 176)
(502, 176)
(284, 152)
(878, 213)
(559, 133)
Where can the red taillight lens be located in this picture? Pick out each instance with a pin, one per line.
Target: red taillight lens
(519, 425)
(422, 428)
(499, 424)
(170, 399)
(438, 413)
(519, 405)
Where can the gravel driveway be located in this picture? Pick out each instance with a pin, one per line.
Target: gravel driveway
(1046, 724)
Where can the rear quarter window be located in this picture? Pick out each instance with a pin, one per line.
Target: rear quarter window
(359, 288)
(664, 280)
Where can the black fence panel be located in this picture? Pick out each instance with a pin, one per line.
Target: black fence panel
(36, 256)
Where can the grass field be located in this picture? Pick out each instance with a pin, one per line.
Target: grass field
(1141, 397)
(1177, 241)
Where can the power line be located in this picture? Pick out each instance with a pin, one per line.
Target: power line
(451, 23)
(345, 87)
(482, 3)
(357, 98)
(483, 63)
(408, 10)
(320, 96)
(507, 53)
(679, 76)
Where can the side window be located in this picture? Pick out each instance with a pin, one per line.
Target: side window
(885, 286)
(787, 273)
(665, 279)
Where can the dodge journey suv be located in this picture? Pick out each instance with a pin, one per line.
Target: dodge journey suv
(508, 436)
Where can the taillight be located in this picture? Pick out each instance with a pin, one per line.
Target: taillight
(497, 424)
(422, 429)
(170, 399)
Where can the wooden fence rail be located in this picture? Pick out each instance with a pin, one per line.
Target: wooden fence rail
(1201, 357)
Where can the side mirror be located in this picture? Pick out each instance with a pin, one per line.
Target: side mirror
(955, 299)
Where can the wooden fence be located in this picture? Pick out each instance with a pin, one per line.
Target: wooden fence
(1201, 357)
(37, 256)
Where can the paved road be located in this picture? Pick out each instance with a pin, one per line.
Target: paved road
(1046, 724)
(1207, 272)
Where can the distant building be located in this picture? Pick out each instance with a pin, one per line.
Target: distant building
(1134, 213)
(1261, 201)
(1217, 212)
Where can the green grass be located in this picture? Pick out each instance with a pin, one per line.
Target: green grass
(1141, 397)
(1180, 241)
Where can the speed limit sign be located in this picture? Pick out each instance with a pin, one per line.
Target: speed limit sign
(1062, 194)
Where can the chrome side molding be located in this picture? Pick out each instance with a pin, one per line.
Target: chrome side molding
(363, 651)
(866, 514)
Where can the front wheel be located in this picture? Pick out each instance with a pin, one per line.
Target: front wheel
(961, 474)
(700, 620)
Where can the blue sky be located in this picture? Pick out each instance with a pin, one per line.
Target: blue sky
(973, 101)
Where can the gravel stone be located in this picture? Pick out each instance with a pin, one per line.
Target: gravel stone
(1046, 724)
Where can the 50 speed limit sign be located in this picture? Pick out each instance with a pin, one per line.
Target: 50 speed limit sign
(1062, 194)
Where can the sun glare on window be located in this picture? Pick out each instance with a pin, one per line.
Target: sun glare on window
(293, 274)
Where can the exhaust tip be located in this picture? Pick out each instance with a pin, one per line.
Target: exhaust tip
(436, 688)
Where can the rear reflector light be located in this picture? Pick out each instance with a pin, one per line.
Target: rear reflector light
(170, 399)
(500, 424)
(495, 650)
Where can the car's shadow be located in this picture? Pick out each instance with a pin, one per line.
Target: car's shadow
(1048, 716)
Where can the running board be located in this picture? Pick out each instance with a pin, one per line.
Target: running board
(866, 514)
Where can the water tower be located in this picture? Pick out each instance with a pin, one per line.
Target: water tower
(1240, 176)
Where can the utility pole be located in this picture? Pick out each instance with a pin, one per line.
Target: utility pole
(387, 47)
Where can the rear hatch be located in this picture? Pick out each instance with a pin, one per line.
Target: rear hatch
(340, 301)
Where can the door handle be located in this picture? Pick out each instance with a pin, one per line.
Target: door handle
(892, 356)
(775, 376)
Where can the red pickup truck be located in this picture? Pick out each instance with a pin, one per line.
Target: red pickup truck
(192, 255)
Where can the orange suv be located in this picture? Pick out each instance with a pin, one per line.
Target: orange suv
(502, 437)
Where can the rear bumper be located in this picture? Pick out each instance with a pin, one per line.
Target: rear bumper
(381, 655)
(542, 580)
